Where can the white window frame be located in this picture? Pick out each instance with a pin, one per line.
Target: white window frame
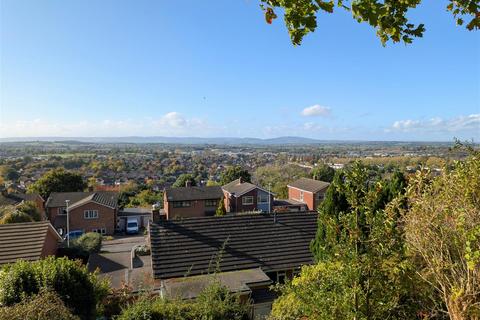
(245, 203)
(259, 198)
(90, 214)
(101, 231)
(62, 210)
(280, 274)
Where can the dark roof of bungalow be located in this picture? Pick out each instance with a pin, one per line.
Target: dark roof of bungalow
(193, 193)
(23, 240)
(310, 185)
(193, 246)
(106, 198)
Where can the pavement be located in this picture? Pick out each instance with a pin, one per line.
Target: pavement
(113, 262)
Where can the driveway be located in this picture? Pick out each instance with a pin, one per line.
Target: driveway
(114, 262)
(122, 244)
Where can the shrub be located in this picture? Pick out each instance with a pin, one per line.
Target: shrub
(31, 209)
(89, 242)
(142, 250)
(15, 217)
(45, 306)
(214, 303)
(76, 287)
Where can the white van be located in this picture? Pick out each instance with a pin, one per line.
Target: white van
(132, 225)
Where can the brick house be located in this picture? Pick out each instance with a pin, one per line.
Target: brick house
(27, 241)
(308, 191)
(244, 197)
(88, 211)
(187, 202)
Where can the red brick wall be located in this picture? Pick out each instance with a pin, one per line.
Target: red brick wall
(106, 218)
(196, 209)
(294, 194)
(51, 213)
(50, 246)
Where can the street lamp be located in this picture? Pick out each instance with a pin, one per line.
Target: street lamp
(68, 225)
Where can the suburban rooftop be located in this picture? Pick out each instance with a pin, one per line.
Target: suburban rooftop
(194, 245)
(309, 184)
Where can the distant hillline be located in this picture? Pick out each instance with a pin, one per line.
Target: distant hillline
(287, 140)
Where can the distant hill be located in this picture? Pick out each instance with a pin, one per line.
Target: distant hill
(170, 140)
(287, 140)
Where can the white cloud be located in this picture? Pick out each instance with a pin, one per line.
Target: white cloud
(170, 124)
(316, 110)
(438, 125)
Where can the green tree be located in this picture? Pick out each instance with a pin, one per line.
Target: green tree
(442, 231)
(390, 18)
(183, 179)
(323, 172)
(9, 173)
(233, 173)
(277, 177)
(355, 230)
(145, 198)
(322, 291)
(221, 211)
(79, 289)
(58, 180)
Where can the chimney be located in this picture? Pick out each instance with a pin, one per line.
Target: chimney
(156, 213)
(240, 180)
(188, 183)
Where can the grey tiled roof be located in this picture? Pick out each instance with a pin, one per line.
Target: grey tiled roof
(238, 187)
(193, 193)
(107, 198)
(23, 240)
(309, 184)
(190, 246)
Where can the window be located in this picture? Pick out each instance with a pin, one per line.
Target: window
(320, 196)
(90, 214)
(301, 196)
(281, 276)
(181, 204)
(262, 198)
(247, 200)
(100, 230)
(62, 210)
(211, 203)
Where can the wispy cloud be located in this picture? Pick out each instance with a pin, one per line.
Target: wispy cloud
(437, 124)
(170, 124)
(316, 111)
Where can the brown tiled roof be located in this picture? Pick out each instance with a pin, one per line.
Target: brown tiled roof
(191, 246)
(23, 240)
(309, 184)
(193, 193)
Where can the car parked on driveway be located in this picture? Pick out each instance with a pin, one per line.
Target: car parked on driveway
(132, 226)
(73, 234)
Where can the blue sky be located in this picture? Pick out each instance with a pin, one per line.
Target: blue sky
(215, 68)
